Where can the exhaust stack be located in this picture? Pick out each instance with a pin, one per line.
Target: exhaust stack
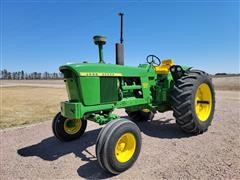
(119, 46)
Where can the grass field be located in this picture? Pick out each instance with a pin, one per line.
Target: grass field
(30, 101)
(227, 83)
(25, 104)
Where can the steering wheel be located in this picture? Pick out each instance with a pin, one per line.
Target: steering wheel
(154, 60)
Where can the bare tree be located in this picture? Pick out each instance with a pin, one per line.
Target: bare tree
(19, 75)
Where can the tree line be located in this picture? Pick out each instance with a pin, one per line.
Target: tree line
(21, 75)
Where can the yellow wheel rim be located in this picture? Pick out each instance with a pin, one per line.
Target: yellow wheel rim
(146, 110)
(72, 126)
(203, 102)
(125, 147)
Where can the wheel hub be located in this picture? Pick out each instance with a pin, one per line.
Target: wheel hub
(125, 147)
(203, 102)
(72, 126)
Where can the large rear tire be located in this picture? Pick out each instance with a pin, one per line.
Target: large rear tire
(68, 129)
(193, 102)
(118, 145)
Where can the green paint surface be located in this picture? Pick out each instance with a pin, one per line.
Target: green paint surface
(96, 89)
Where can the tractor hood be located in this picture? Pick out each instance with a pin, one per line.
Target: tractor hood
(98, 83)
(112, 70)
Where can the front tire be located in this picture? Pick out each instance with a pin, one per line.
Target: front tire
(68, 129)
(193, 102)
(118, 145)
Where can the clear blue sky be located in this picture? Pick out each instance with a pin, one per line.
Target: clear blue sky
(41, 36)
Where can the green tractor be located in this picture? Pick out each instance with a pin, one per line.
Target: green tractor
(96, 89)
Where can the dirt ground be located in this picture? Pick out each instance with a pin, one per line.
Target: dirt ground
(31, 152)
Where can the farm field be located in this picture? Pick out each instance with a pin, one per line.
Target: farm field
(227, 83)
(29, 104)
(30, 101)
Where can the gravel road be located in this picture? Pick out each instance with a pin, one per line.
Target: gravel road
(31, 152)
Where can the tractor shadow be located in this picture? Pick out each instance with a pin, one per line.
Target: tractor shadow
(51, 149)
(164, 128)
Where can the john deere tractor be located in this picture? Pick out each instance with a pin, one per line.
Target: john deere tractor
(96, 89)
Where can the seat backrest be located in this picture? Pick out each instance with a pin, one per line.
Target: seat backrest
(164, 67)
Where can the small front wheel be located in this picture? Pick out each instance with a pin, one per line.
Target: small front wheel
(118, 145)
(68, 129)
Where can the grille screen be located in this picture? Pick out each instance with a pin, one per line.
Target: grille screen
(108, 86)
